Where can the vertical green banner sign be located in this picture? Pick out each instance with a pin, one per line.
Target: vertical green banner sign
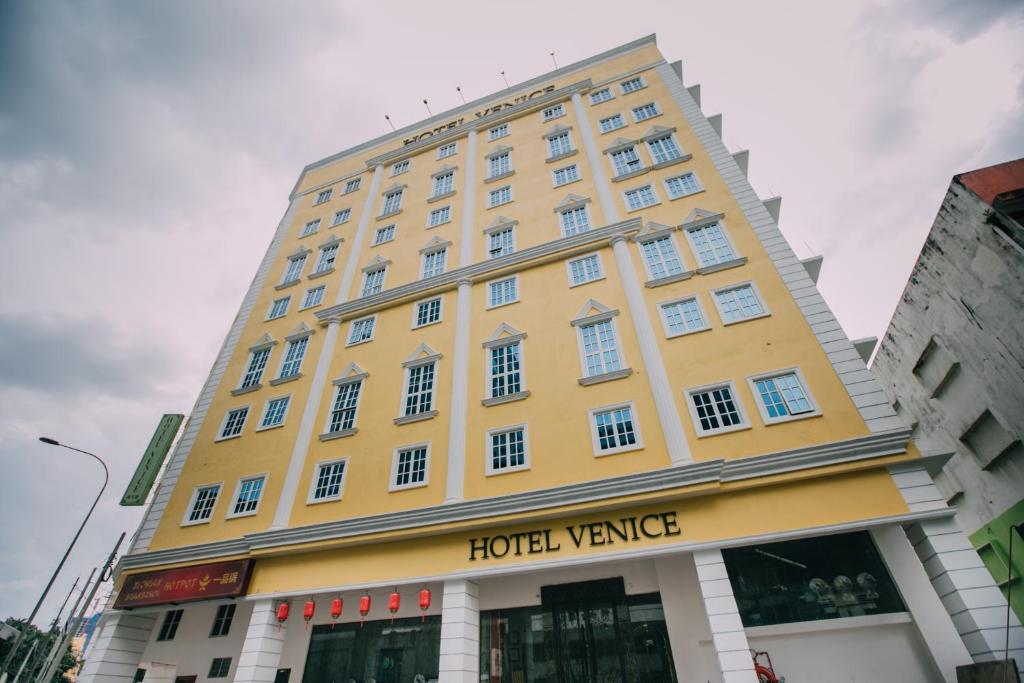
(152, 460)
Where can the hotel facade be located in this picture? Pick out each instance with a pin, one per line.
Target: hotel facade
(536, 391)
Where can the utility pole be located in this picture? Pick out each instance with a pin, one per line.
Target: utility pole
(21, 668)
(60, 632)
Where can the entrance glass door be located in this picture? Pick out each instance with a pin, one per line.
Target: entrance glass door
(588, 641)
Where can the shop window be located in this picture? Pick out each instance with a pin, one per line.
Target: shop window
(385, 650)
(810, 579)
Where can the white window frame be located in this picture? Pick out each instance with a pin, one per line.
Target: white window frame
(626, 169)
(569, 209)
(489, 470)
(669, 334)
(269, 348)
(437, 211)
(395, 170)
(675, 141)
(231, 514)
(416, 307)
(434, 179)
(407, 375)
(567, 133)
(400, 193)
(453, 146)
(185, 521)
(492, 158)
(310, 228)
(656, 114)
(501, 230)
(725, 288)
(600, 269)
(725, 233)
(366, 276)
(310, 500)
(605, 89)
(323, 196)
(502, 130)
(335, 246)
(353, 185)
(394, 231)
(338, 385)
(492, 193)
(443, 251)
(696, 179)
(643, 241)
(284, 356)
(622, 84)
(351, 328)
(291, 259)
(596, 319)
(622, 121)
(490, 305)
(305, 296)
(344, 214)
(595, 442)
(654, 193)
(752, 381)
(224, 420)
(555, 172)
(266, 408)
(744, 422)
(392, 485)
(555, 111)
(488, 368)
(270, 309)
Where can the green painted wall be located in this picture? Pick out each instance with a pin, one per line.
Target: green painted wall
(992, 543)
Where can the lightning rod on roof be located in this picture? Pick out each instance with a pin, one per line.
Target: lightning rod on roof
(389, 122)
(460, 94)
(504, 79)
(553, 59)
(428, 107)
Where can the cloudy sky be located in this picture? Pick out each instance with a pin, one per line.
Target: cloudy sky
(147, 150)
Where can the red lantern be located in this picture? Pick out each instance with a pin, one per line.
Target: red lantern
(424, 603)
(282, 613)
(336, 605)
(394, 602)
(364, 607)
(308, 610)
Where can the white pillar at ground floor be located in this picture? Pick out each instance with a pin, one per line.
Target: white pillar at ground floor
(261, 651)
(727, 634)
(460, 633)
(118, 648)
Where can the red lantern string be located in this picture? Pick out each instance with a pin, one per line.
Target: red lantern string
(308, 610)
(364, 608)
(424, 603)
(282, 614)
(394, 603)
(336, 605)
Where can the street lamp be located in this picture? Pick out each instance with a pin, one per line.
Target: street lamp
(35, 610)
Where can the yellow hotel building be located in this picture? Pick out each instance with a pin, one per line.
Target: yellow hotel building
(536, 391)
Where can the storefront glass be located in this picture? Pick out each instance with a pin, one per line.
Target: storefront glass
(405, 651)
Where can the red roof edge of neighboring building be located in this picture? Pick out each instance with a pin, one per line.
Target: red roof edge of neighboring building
(991, 181)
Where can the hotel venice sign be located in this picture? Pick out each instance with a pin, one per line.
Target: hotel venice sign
(496, 107)
(185, 584)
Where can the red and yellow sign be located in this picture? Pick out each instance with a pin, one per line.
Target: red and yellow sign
(198, 582)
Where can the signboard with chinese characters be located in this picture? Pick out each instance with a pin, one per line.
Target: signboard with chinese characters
(152, 460)
(198, 582)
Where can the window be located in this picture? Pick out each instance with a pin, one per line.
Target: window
(222, 621)
(273, 414)
(600, 348)
(502, 195)
(553, 112)
(169, 628)
(664, 149)
(439, 216)
(564, 176)
(500, 242)
(559, 145)
(361, 330)
(203, 501)
(503, 292)
(661, 257)
(419, 389)
(433, 263)
(602, 95)
(644, 112)
(989, 440)
(324, 196)
(342, 216)
(574, 220)
(715, 409)
(314, 297)
(610, 123)
(738, 303)
(632, 85)
(278, 307)
(500, 164)
(400, 167)
(781, 396)
(444, 183)
(409, 467)
(445, 151)
(640, 198)
(427, 312)
(497, 132)
(294, 269)
(257, 364)
(626, 161)
(310, 228)
(343, 411)
(247, 497)
(682, 317)
(682, 185)
(584, 270)
(327, 481)
(506, 371)
(326, 260)
(935, 367)
(614, 430)
(352, 185)
(507, 450)
(392, 203)
(219, 667)
(385, 234)
(293, 355)
(234, 420)
(711, 244)
(373, 281)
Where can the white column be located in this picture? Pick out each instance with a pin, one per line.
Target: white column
(727, 634)
(933, 623)
(118, 648)
(261, 651)
(289, 490)
(460, 633)
(604, 190)
(681, 600)
(671, 426)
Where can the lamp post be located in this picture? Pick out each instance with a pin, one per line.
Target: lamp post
(35, 610)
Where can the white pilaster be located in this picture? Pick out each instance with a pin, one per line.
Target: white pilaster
(657, 379)
(604, 190)
(300, 449)
(681, 600)
(261, 651)
(933, 623)
(727, 634)
(115, 654)
(460, 633)
(468, 202)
